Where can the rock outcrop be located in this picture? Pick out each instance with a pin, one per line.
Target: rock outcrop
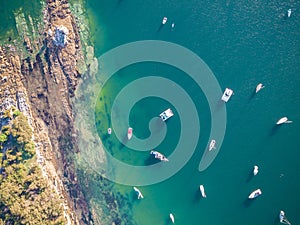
(40, 82)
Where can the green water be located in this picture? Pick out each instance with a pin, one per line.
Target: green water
(8, 9)
(244, 43)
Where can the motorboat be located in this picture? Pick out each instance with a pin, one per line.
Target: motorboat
(255, 170)
(289, 12)
(166, 114)
(283, 120)
(159, 156)
(173, 25)
(164, 21)
(201, 187)
(212, 145)
(138, 192)
(227, 94)
(109, 130)
(283, 219)
(172, 218)
(129, 133)
(255, 194)
(259, 87)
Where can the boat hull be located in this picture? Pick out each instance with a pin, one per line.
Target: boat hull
(227, 94)
(166, 114)
(172, 217)
(282, 120)
(255, 170)
(212, 145)
(255, 194)
(201, 187)
(129, 133)
(259, 87)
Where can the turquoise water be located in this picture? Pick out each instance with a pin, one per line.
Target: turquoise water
(243, 43)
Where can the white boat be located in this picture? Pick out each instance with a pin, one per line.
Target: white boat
(289, 12)
(166, 114)
(159, 156)
(227, 94)
(255, 170)
(172, 217)
(255, 194)
(283, 120)
(129, 133)
(283, 219)
(173, 25)
(259, 87)
(109, 130)
(164, 21)
(201, 187)
(138, 192)
(212, 145)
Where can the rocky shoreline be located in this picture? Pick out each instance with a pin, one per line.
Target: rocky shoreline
(39, 79)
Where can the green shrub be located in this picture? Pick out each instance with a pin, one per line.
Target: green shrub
(3, 138)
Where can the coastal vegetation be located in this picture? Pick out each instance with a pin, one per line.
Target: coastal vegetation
(25, 196)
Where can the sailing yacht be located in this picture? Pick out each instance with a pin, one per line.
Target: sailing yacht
(283, 219)
(283, 120)
(172, 218)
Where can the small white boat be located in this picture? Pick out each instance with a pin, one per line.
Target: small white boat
(283, 120)
(172, 217)
(289, 12)
(259, 87)
(212, 145)
(166, 114)
(159, 156)
(227, 94)
(255, 170)
(173, 25)
(201, 187)
(109, 130)
(138, 192)
(164, 21)
(283, 219)
(255, 194)
(129, 133)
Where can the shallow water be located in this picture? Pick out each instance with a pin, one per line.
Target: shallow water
(243, 43)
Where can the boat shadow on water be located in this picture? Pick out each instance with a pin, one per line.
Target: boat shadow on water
(250, 176)
(248, 202)
(197, 196)
(252, 95)
(160, 27)
(274, 130)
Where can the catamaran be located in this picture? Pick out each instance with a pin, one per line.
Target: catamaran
(201, 187)
(283, 219)
(166, 114)
(227, 94)
(172, 217)
(212, 145)
(159, 156)
(255, 170)
(138, 192)
(283, 120)
(164, 21)
(259, 87)
(255, 194)
(129, 133)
